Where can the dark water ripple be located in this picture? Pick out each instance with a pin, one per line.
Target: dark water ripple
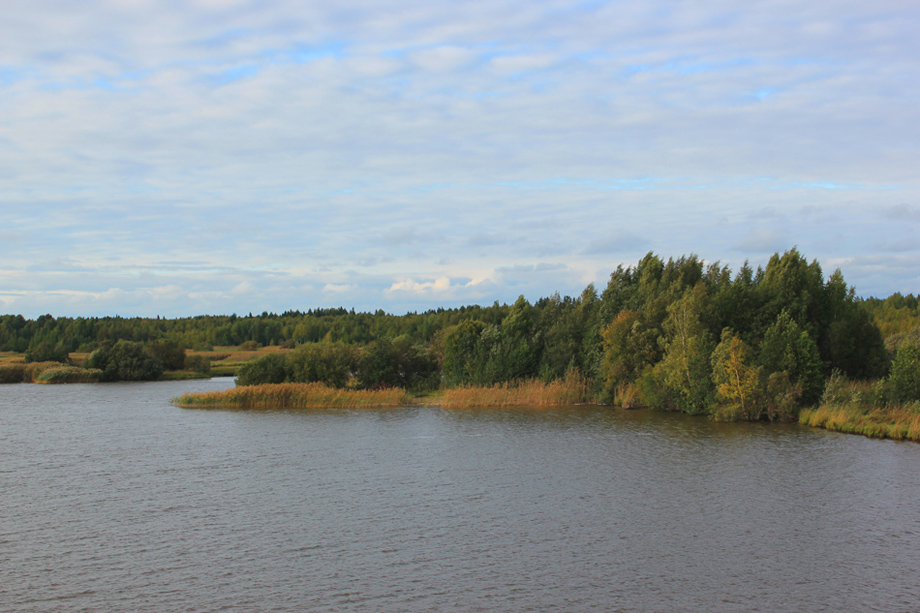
(110, 499)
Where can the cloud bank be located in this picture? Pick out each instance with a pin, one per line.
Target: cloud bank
(228, 156)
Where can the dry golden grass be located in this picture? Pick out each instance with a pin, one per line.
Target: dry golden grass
(897, 422)
(574, 389)
(11, 357)
(292, 396)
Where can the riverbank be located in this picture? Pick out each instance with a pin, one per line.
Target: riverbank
(898, 422)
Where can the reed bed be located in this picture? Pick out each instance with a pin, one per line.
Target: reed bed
(293, 396)
(34, 370)
(12, 373)
(900, 422)
(531, 393)
(69, 374)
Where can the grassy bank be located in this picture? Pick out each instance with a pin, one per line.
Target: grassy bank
(292, 396)
(568, 391)
(894, 422)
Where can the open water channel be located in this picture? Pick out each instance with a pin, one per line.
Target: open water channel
(113, 500)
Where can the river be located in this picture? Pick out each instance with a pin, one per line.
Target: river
(111, 499)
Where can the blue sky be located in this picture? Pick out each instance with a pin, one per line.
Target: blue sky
(220, 156)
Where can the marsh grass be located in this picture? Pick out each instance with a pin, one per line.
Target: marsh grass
(69, 374)
(901, 422)
(292, 396)
(573, 389)
(34, 370)
(12, 372)
(862, 407)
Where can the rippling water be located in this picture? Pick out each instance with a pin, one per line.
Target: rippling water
(111, 499)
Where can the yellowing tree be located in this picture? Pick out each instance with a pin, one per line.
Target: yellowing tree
(739, 386)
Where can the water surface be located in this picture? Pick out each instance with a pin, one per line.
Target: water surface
(111, 499)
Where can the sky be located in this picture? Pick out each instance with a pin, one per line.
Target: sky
(232, 156)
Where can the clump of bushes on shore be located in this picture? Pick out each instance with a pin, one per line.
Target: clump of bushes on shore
(293, 396)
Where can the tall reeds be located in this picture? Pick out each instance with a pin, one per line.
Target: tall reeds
(861, 407)
(895, 422)
(573, 389)
(292, 396)
(70, 374)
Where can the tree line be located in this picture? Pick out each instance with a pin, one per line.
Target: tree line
(676, 333)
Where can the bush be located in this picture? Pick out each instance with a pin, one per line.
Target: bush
(397, 363)
(322, 362)
(904, 381)
(46, 351)
(169, 353)
(124, 361)
(198, 363)
(271, 368)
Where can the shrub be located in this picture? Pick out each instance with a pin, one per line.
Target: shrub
(271, 368)
(904, 380)
(124, 361)
(169, 353)
(46, 351)
(331, 364)
(198, 363)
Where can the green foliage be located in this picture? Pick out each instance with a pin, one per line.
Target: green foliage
(168, 352)
(630, 346)
(124, 361)
(46, 351)
(198, 363)
(788, 348)
(686, 366)
(904, 381)
(397, 363)
(461, 352)
(739, 388)
(271, 368)
(329, 363)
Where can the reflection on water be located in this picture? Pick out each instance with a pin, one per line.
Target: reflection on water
(110, 498)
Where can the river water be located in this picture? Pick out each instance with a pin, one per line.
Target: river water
(113, 500)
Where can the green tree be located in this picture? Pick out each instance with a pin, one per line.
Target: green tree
(46, 351)
(329, 363)
(124, 361)
(739, 388)
(788, 348)
(169, 353)
(686, 365)
(904, 380)
(270, 368)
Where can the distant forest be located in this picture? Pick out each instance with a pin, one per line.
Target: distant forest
(678, 333)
